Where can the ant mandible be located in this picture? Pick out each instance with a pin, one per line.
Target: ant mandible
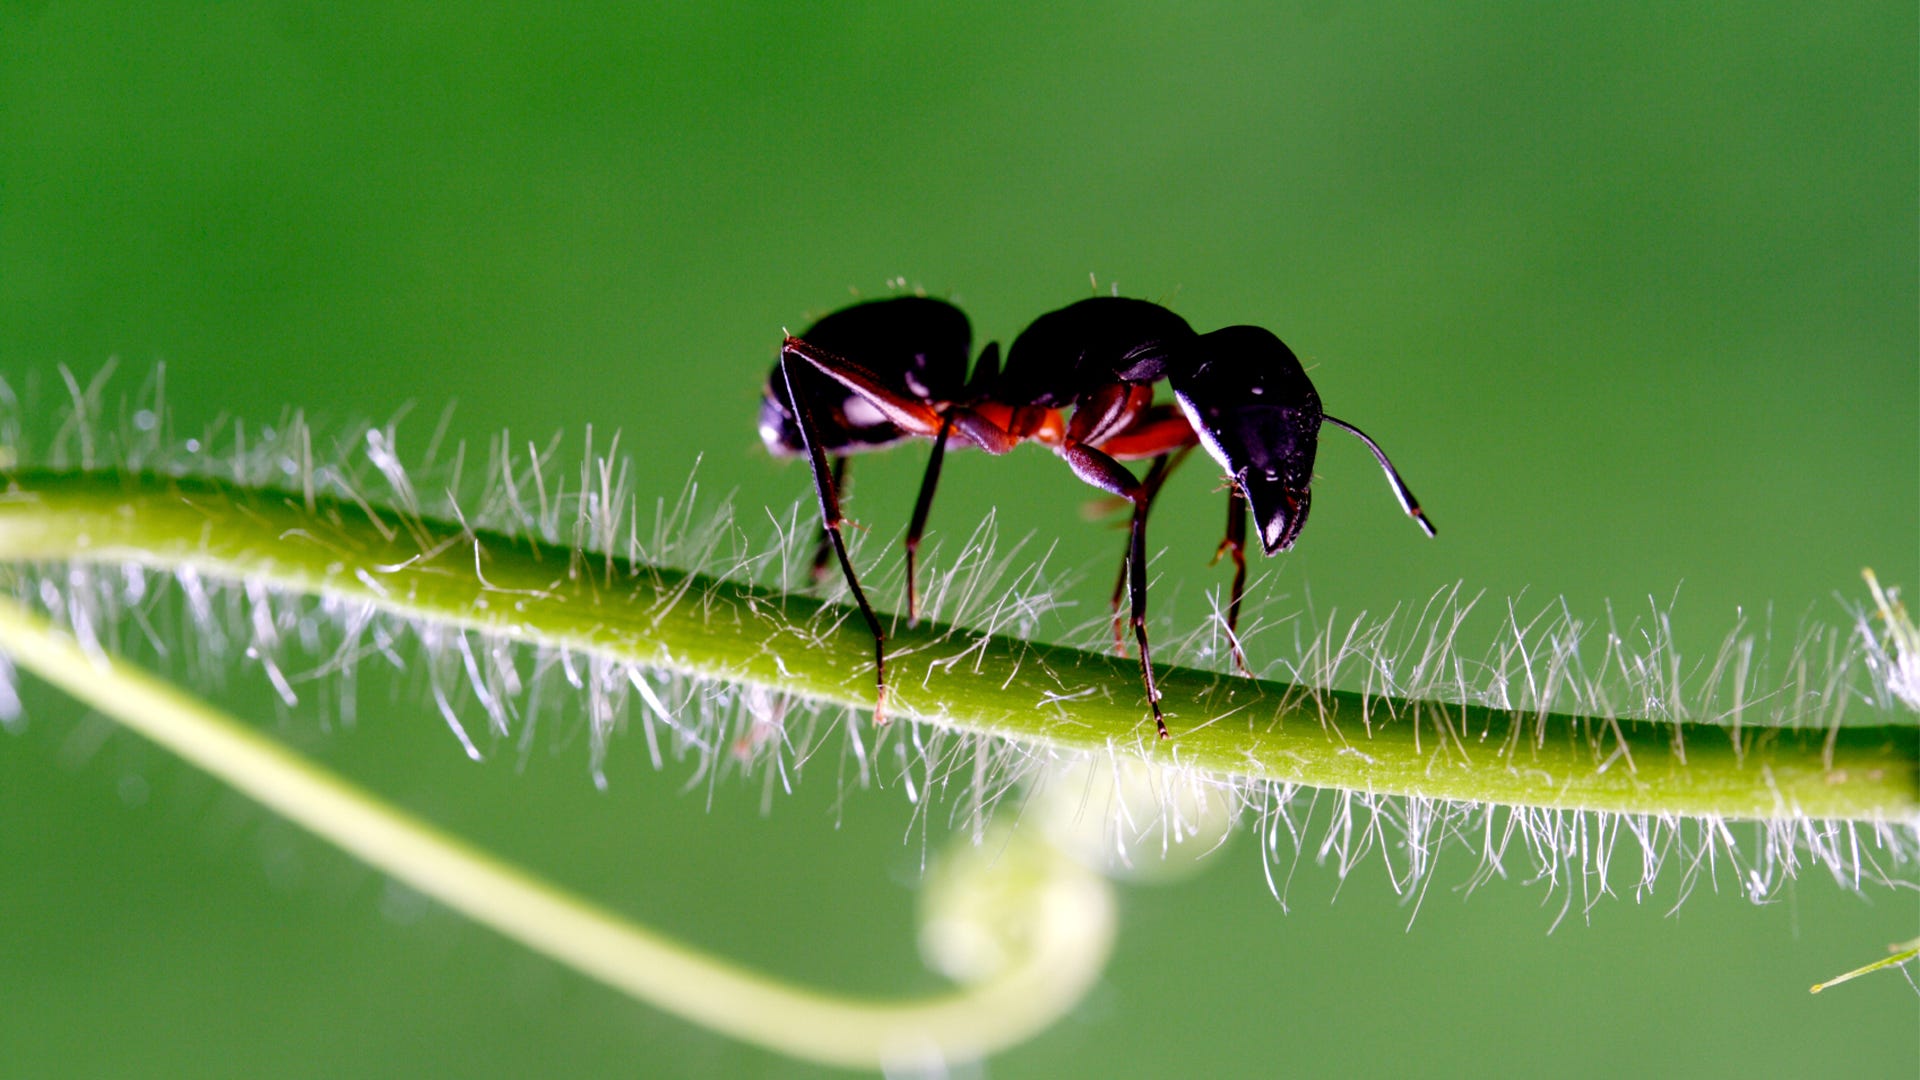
(876, 373)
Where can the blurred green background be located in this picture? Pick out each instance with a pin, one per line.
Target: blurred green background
(1630, 295)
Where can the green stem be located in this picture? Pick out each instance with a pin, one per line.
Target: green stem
(1052, 919)
(439, 572)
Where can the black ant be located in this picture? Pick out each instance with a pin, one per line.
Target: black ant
(875, 373)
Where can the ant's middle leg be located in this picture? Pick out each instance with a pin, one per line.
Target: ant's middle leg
(981, 431)
(1152, 485)
(921, 507)
(1156, 478)
(1109, 475)
(978, 430)
(975, 428)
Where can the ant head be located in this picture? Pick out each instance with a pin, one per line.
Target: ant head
(1279, 504)
(1256, 412)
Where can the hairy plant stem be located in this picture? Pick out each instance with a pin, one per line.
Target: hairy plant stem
(442, 573)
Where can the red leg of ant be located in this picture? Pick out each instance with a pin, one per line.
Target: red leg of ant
(1235, 545)
(831, 520)
(908, 414)
(823, 544)
(1109, 475)
(921, 507)
(981, 432)
(1156, 430)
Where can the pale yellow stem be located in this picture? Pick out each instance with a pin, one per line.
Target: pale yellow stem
(1054, 955)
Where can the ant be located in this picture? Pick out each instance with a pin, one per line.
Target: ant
(876, 373)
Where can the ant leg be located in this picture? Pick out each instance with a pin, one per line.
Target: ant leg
(1400, 491)
(905, 413)
(976, 429)
(1156, 474)
(823, 544)
(831, 520)
(985, 371)
(921, 507)
(1109, 475)
(1235, 545)
(1137, 585)
(981, 432)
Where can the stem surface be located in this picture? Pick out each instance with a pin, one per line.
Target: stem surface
(442, 573)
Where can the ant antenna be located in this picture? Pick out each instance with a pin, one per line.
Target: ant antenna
(1407, 502)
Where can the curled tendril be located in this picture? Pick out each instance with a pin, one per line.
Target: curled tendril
(1025, 929)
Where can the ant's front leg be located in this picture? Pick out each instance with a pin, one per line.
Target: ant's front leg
(1109, 475)
(1146, 430)
(1235, 545)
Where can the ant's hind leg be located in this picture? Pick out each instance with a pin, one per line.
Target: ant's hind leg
(1155, 479)
(832, 520)
(823, 544)
(1137, 586)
